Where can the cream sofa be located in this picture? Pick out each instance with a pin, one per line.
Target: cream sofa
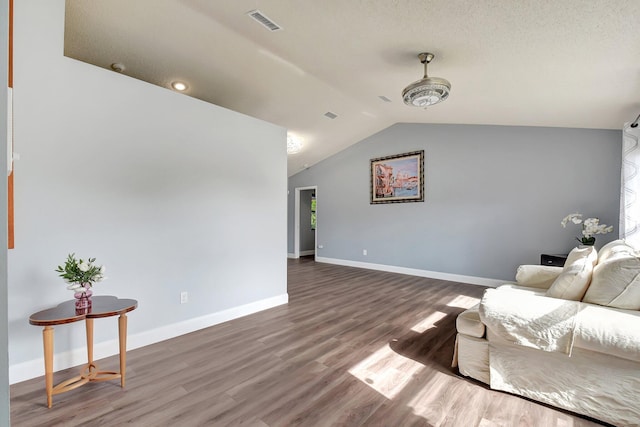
(566, 336)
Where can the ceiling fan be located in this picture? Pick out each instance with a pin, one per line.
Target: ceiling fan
(428, 90)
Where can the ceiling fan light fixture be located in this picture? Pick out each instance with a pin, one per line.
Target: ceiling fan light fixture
(428, 90)
(294, 144)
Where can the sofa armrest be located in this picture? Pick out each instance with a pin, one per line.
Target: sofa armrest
(537, 276)
(468, 323)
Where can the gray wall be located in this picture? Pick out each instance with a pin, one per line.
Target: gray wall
(495, 197)
(159, 187)
(4, 326)
(307, 235)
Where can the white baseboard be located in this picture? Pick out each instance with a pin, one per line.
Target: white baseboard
(35, 368)
(415, 272)
(302, 253)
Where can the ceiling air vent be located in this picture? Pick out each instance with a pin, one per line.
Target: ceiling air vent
(264, 20)
(330, 115)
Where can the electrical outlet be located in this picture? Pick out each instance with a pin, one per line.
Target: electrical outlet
(364, 252)
(184, 297)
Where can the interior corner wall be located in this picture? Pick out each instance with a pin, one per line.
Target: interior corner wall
(4, 324)
(494, 197)
(170, 193)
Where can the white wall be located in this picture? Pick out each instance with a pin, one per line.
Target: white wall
(170, 193)
(4, 328)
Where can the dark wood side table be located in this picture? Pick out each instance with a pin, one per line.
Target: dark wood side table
(556, 260)
(102, 306)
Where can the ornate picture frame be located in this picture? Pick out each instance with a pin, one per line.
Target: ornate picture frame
(398, 178)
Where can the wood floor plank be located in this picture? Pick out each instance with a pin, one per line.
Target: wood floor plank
(352, 348)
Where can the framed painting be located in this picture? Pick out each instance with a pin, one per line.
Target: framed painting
(398, 178)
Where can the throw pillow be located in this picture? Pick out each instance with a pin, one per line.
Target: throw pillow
(574, 280)
(616, 283)
(580, 252)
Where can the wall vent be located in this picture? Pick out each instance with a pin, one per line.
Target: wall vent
(263, 20)
(330, 115)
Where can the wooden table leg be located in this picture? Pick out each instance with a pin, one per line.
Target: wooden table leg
(47, 339)
(122, 332)
(89, 326)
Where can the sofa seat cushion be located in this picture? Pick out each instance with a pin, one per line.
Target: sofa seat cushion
(468, 323)
(616, 283)
(608, 330)
(531, 320)
(575, 278)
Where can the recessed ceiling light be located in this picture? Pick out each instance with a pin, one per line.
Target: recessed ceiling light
(117, 67)
(180, 86)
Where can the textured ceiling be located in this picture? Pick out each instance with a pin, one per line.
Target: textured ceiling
(561, 63)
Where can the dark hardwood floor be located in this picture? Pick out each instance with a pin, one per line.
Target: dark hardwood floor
(353, 347)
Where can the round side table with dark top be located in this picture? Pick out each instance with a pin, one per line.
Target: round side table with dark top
(102, 306)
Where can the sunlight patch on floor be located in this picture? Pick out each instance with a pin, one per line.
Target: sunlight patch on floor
(428, 322)
(463, 301)
(386, 371)
(427, 403)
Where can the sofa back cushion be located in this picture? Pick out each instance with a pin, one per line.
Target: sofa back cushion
(616, 283)
(615, 249)
(574, 280)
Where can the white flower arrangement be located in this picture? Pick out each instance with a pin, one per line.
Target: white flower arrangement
(590, 227)
(81, 274)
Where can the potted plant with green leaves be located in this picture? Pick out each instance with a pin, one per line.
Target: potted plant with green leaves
(80, 275)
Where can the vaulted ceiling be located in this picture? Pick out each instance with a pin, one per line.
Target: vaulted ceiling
(558, 63)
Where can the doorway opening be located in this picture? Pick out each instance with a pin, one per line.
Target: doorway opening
(305, 221)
